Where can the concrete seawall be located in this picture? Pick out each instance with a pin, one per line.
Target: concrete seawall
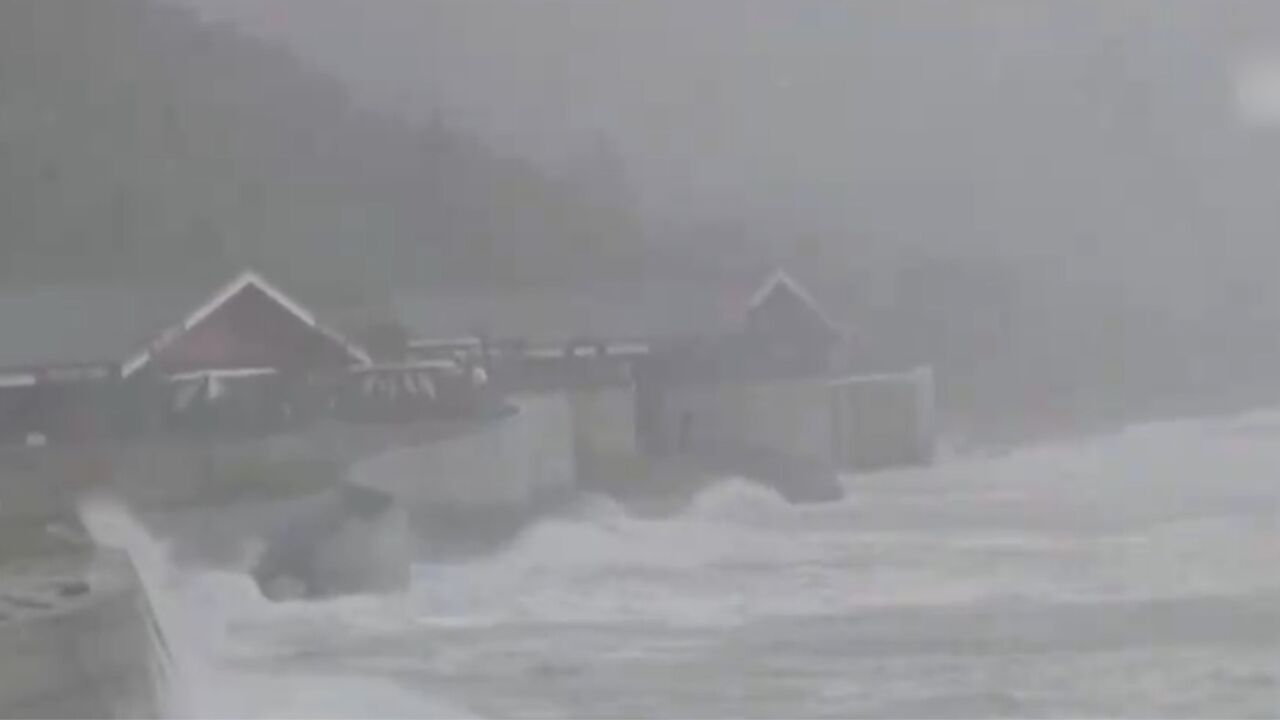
(606, 446)
(466, 493)
(78, 639)
(505, 464)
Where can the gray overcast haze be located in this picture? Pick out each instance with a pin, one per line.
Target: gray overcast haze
(730, 101)
(1093, 181)
(506, 408)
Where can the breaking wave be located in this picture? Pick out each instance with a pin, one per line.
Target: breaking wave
(1161, 511)
(222, 635)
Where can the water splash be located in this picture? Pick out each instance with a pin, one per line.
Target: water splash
(213, 672)
(111, 525)
(1117, 519)
(739, 501)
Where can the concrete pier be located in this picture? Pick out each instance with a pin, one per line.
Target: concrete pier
(78, 640)
(469, 492)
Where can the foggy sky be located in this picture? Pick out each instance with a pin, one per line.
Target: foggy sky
(696, 96)
(749, 106)
(1078, 175)
(715, 104)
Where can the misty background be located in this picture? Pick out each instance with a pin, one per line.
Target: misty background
(1069, 208)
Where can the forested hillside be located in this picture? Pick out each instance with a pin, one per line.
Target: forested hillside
(1057, 204)
(137, 143)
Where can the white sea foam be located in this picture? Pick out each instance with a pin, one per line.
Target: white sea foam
(214, 621)
(1172, 510)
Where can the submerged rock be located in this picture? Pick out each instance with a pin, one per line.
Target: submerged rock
(356, 540)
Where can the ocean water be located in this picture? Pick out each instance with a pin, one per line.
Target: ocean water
(1135, 575)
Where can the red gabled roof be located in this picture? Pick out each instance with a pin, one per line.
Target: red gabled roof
(782, 281)
(245, 281)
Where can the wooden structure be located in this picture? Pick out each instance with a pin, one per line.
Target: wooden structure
(700, 395)
(249, 357)
(249, 325)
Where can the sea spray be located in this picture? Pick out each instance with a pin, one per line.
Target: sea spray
(211, 673)
(853, 608)
(111, 525)
(597, 563)
(737, 501)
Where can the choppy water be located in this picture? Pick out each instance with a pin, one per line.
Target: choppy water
(1133, 575)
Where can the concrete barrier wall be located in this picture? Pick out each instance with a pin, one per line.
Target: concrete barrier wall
(508, 463)
(97, 655)
(604, 420)
(605, 442)
(885, 421)
(791, 417)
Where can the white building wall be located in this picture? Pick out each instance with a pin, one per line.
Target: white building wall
(546, 422)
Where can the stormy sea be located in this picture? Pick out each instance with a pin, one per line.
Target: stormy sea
(1135, 574)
